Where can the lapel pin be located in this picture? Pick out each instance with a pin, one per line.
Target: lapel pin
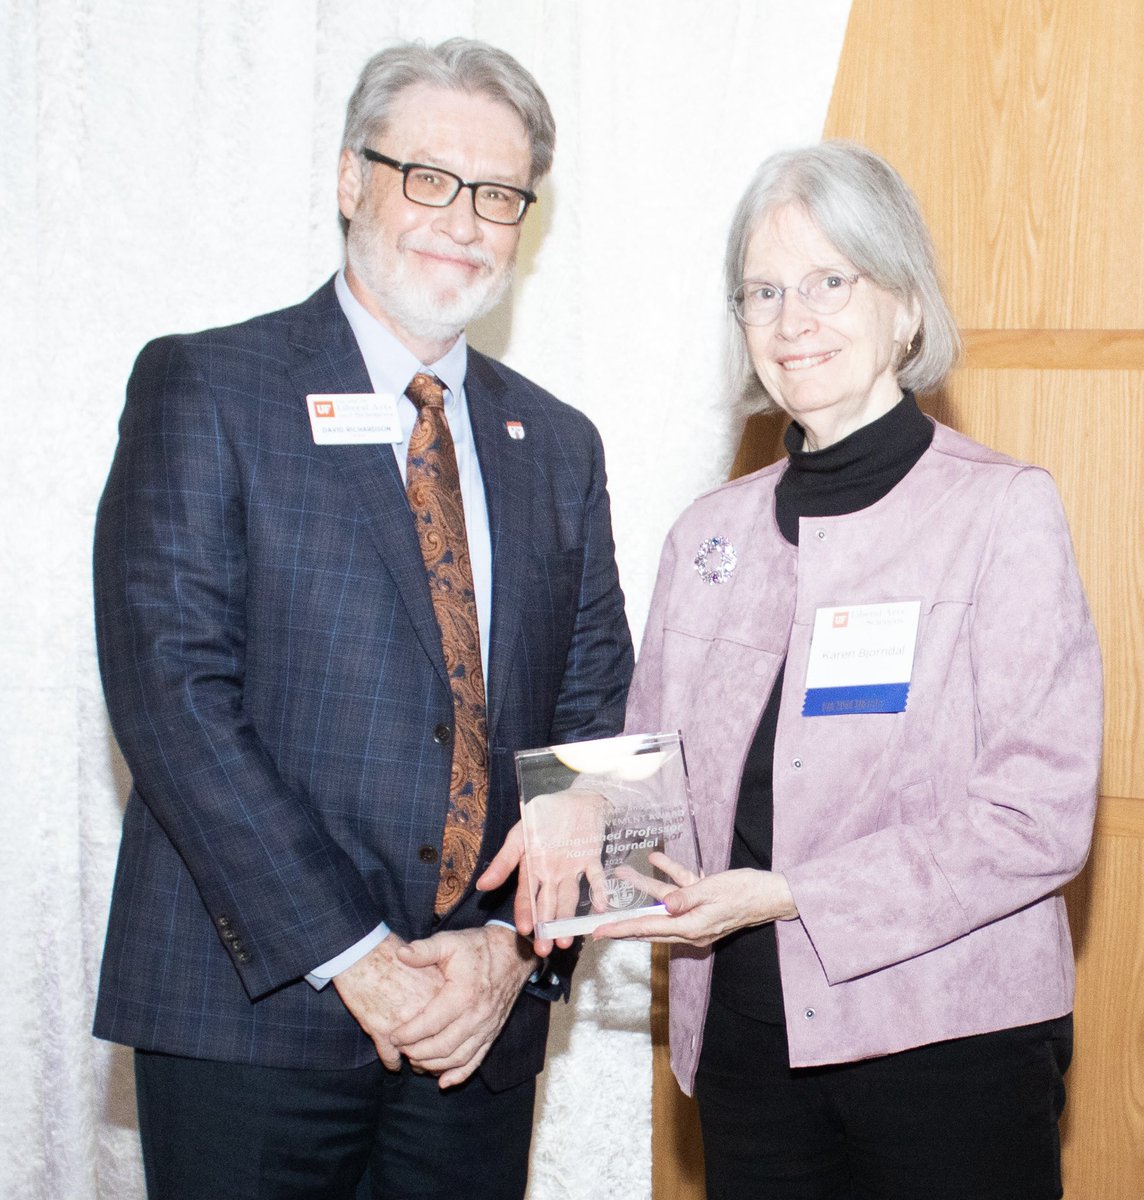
(716, 560)
(515, 430)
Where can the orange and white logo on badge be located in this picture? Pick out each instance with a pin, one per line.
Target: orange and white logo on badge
(515, 430)
(353, 418)
(841, 620)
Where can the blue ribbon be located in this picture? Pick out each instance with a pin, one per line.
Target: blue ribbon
(855, 701)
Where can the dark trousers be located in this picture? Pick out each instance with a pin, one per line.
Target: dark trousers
(970, 1119)
(226, 1131)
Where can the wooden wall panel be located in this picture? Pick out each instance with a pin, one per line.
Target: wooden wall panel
(677, 1146)
(1103, 1128)
(1018, 123)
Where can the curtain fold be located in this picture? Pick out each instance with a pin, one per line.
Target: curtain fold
(170, 165)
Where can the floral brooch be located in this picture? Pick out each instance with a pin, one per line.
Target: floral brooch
(716, 560)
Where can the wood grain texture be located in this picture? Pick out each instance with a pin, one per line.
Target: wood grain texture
(1055, 349)
(1103, 1127)
(1018, 125)
(1120, 816)
(676, 1143)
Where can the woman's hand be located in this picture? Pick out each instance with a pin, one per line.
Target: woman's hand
(703, 909)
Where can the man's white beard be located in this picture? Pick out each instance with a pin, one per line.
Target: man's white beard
(436, 313)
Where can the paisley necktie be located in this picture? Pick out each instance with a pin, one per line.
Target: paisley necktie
(434, 490)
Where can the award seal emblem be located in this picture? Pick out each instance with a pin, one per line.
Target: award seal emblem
(623, 894)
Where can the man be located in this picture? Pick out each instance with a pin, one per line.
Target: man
(345, 566)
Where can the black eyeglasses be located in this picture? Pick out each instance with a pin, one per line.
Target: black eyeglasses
(435, 188)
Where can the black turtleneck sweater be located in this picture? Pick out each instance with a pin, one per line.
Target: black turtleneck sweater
(844, 478)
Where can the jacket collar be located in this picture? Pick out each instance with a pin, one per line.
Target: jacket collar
(326, 358)
(508, 467)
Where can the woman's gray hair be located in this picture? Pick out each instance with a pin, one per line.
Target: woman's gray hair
(863, 207)
(460, 65)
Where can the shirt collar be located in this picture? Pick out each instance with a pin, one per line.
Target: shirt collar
(893, 438)
(390, 364)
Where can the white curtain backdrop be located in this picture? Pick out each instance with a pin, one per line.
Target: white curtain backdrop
(169, 165)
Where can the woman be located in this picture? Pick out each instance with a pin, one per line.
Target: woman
(888, 683)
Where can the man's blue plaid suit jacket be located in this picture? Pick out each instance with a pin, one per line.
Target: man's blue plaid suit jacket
(274, 676)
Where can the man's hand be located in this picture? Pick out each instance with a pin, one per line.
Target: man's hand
(382, 991)
(509, 858)
(484, 971)
(569, 832)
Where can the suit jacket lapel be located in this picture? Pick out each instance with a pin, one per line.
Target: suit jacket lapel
(507, 469)
(327, 359)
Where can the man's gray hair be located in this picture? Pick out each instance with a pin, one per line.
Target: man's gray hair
(460, 65)
(863, 207)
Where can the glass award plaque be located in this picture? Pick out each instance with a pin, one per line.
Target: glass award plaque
(592, 813)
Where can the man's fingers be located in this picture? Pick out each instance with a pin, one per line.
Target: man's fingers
(456, 1075)
(441, 1053)
(567, 899)
(437, 1017)
(388, 1053)
(505, 861)
(597, 887)
(522, 903)
(423, 953)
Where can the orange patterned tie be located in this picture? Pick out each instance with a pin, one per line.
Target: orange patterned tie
(434, 490)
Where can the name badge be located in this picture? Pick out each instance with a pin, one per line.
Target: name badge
(353, 419)
(861, 659)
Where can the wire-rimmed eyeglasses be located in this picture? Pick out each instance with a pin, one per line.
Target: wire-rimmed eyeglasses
(757, 302)
(437, 188)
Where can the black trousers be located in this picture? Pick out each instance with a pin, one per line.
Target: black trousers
(970, 1119)
(226, 1131)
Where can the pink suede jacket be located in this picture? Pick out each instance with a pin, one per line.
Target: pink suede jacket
(925, 849)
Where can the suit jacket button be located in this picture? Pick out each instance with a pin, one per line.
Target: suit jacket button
(224, 922)
(427, 854)
(244, 957)
(442, 735)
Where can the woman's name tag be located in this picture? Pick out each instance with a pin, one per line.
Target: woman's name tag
(861, 659)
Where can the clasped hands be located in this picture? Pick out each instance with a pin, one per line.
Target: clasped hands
(439, 1002)
(442, 1001)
